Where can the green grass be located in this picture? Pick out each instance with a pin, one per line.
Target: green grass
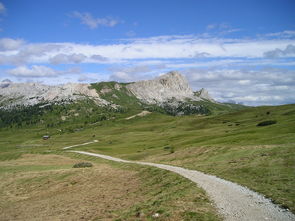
(29, 168)
(163, 192)
(230, 145)
(9, 156)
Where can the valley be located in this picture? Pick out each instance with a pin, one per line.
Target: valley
(251, 146)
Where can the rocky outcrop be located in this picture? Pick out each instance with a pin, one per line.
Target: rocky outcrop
(204, 94)
(171, 86)
(33, 93)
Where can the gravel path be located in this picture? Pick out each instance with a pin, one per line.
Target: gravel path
(77, 145)
(234, 202)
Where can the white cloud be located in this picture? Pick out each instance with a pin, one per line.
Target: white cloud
(67, 59)
(201, 54)
(162, 47)
(211, 26)
(92, 22)
(135, 73)
(37, 71)
(28, 53)
(221, 28)
(130, 33)
(251, 87)
(91, 77)
(282, 34)
(97, 57)
(2, 8)
(7, 44)
(244, 82)
(182, 48)
(289, 51)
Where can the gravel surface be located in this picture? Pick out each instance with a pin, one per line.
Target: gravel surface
(77, 145)
(234, 202)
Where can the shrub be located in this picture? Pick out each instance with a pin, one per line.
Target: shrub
(266, 123)
(171, 149)
(82, 165)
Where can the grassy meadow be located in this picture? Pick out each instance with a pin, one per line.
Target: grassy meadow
(47, 187)
(229, 145)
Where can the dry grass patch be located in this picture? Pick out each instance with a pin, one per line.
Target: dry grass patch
(65, 194)
(39, 159)
(46, 187)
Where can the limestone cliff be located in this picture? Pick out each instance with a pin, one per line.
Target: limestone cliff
(169, 86)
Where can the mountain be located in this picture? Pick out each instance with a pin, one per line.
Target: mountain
(12, 94)
(89, 103)
(172, 85)
(161, 89)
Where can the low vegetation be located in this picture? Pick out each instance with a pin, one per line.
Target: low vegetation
(47, 188)
(229, 145)
(266, 123)
(82, 165)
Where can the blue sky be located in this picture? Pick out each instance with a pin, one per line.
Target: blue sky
(240, 50)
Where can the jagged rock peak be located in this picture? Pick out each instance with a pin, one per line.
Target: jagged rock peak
(163, 88)
(204, 94)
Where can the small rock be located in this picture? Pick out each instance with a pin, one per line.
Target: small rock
(156, 215)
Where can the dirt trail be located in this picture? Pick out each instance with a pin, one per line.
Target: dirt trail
(141, 114)
(234, 202)
(77, 145)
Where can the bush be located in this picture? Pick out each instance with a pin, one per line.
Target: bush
(266, 123)
(171, 149)
(167, 148)
(82, 165)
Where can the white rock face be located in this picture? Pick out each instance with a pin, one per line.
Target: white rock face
(204, 94)
(172, 85)
(34, 93)
(164, 88)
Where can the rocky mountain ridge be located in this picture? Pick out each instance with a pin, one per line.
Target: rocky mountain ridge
(28, 94)
(170, 86)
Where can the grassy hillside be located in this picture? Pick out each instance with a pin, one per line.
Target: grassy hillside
(231, 145)
(228, 145)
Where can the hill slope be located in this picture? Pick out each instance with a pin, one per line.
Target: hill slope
(232, 146)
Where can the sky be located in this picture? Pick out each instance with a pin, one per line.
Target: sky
(241, 51)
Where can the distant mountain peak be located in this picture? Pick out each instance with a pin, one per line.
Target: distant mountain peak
(204, 94)
(172, 85)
